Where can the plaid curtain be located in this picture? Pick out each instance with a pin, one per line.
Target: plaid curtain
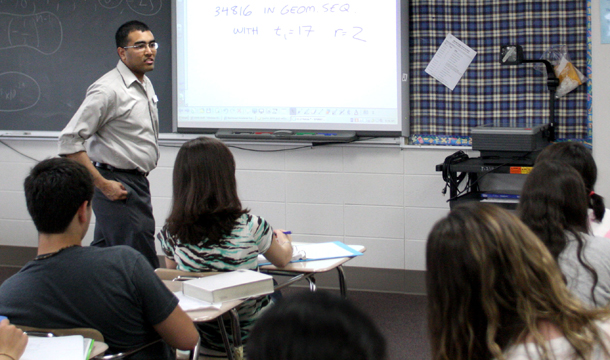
(490, 93)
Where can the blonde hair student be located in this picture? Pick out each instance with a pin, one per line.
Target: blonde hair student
(495, 292)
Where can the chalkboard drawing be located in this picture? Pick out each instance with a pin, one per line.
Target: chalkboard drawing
(110, 4)
(42, 32)
(18, 92)
(145, 7)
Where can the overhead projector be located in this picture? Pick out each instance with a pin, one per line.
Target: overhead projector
(510, 145)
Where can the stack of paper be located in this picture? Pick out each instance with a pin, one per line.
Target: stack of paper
(73, 347)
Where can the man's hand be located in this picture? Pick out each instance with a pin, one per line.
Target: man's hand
(113, 190)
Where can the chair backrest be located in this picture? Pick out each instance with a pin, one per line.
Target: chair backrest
(85, 332)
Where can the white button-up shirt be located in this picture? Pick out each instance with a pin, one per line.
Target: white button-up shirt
(120, 119)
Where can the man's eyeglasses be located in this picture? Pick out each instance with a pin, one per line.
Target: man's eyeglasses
(142, 46)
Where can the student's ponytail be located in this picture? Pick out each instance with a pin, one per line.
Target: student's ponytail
(596, 203)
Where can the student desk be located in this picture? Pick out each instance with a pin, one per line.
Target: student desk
(211, 314)
(306, 270)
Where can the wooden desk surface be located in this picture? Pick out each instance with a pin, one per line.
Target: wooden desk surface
(315, 266)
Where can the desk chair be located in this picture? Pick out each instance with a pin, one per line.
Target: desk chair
(172, 276)
(99, 339)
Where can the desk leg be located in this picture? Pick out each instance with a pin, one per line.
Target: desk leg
(342, 286)
(194, 354)
(225, 338)
(236, 329)
(312, 283)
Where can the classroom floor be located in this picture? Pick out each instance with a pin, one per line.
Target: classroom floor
(401, 318)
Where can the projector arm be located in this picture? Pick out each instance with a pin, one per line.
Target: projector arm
(552, 83)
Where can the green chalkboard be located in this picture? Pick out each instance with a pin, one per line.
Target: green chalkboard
(52, 50)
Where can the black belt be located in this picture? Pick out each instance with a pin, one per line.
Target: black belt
(113, 169)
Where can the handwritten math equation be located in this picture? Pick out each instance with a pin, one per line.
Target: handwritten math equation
(306, 30)
(286, 33)
(284, 10)
(18, 91)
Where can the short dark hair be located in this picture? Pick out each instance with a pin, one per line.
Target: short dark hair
(205, 203)
(315, 325)
(124, 30)
(54, 190)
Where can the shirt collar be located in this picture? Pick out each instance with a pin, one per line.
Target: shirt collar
(128, 76)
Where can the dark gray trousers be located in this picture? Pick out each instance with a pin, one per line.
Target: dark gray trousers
(126, 222)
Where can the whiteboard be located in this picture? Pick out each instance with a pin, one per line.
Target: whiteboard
(290, 65)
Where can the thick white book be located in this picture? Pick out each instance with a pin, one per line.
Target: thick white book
(238, 284)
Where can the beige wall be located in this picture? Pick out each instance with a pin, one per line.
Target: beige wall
(384, 197)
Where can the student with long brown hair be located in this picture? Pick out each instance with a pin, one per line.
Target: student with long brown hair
(495, 292)
(580, 158)
(209, 230)
(554, 206)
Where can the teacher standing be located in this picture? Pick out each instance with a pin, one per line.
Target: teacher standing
(114, 133)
